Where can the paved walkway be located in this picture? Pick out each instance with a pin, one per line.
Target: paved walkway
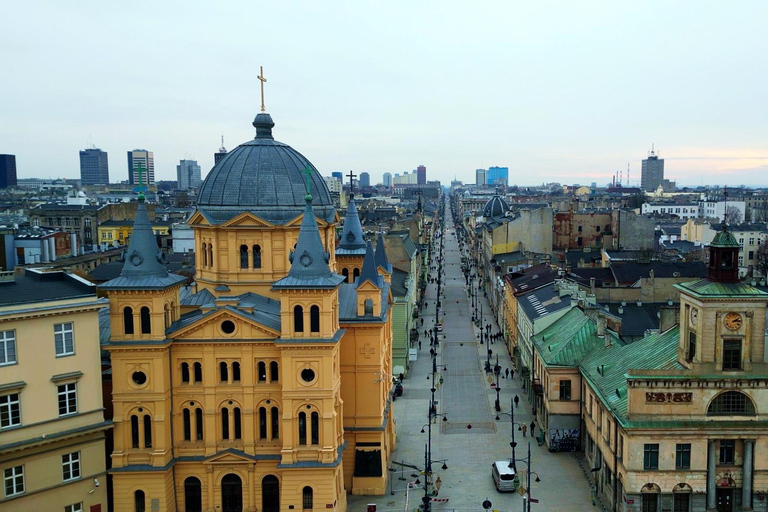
(466, 399)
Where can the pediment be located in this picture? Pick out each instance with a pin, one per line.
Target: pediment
(368, 286)
(296, 221)
(208, 327)
(198, 219)
(247, 220)
(228, 457)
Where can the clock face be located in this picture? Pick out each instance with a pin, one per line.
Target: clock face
(732, 321)
(694, 316)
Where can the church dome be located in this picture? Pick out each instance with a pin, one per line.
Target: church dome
(265, 177)
(496, 207)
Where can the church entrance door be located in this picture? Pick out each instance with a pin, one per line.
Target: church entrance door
(231, 494)
(270, 494)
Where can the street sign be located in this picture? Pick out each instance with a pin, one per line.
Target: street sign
(533, 500)
(487, 504)
(522, 490)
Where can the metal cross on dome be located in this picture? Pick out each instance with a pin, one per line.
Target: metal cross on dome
(140, 188)
(351, 177)
(307, 170)
(263, 81)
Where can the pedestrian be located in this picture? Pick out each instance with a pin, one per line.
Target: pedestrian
(422, 321)
(419, 344)
(525, 428)
(507, 372)
(432, 352)
(511, 374)
(533, 427)
(517, 401)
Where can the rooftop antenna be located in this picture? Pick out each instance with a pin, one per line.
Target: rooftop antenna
(725, 207)
(628, 183)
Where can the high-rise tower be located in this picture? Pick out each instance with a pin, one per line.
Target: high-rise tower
(144, 159)
(652, 173)
(94, 167)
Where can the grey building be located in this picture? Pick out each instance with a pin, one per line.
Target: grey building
(94, 168)
(365, 180)
(188, 175)
(144, 159)
(652, 173)
(7, 171)
(221, 153)
(481, 177)
(387, 179)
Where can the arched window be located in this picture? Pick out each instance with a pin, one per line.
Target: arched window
(355, 274)
(225, 423)
(167, 315)
(275, 423)
(256, 256)
(139, 502)
(345, 273)
(146, 327)
(210, 254)
(262, 371)
(262, 423)
(302, 428)
(223, 372)
(205, 255)
(243, 256)
(134, 431)
(185, 372)
(187, 424)
(198, 372)
(173, 311)
(128, 320)
(193, 495)
(731, 403)
(236, 372)
(314, 319)
(237, 423)
(147, 431)
(274, 374)
(368, 307)
(298, 319)
(315, 428)
(307, 501)
(199, 424)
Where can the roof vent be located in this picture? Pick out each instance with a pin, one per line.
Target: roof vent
(623, 303)
(639, 303)
(621, 310)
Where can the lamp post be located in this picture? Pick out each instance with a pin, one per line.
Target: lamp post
(513, 444)
(497, 371)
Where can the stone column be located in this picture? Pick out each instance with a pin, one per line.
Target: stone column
(711, 481)
(746, 486)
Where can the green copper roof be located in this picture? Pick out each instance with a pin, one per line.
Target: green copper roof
(724, 238)
(606, 367)
(704, 288)
(570, 339)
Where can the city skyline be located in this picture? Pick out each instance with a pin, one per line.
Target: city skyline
(569, 94)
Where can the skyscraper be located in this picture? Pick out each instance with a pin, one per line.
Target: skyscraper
(220, 154)
(145, 159)
(94, 167)
(386, 179)
(421, 171)
(338, 175)
(365, 180)
(497, 176)
(7, 171)
(480, 177)
(188, 175)
(652, 173)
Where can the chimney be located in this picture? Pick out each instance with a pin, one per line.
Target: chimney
(592, 285)
(667, 318)
(621, 310)
(601, 327)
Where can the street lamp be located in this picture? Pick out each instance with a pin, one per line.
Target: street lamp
(497, 371)
(519, 426)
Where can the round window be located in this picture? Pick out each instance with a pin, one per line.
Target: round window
(228, 326)
(140, 378)
(307, 375)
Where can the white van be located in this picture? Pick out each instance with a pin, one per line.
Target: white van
(504, 476)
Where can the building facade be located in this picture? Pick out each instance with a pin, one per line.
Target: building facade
(141, 158)
(421, 175)
(94, 167)
(7, 171)
(188, 175)
(481, 177)
(52, 427)
(386, 179)
(652, 172)
(498, 176)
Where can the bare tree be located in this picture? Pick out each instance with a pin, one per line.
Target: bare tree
(761, 258)
(732, 215)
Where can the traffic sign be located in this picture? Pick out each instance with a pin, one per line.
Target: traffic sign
(487, 504)
(493, 385)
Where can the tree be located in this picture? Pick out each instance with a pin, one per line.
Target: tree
(761, 258)
(732, 215)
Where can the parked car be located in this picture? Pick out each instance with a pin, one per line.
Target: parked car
(504, 476)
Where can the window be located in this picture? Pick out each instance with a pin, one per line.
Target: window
(139, 502)
(314, 319)
(751, 242)
(7, 347)
(199, 424)
(302, 428)
(146, 326)
(731, 355)
(256, 256)
(128, 320)
(751, 255)
(262, 371)
(345, 273)
(14, 480)
(565, 390)
(235, 372)
(275, 423)
(243, 256)
(187, 424)
(10, 412)
(579, 229)
(237, 423)
(64, 336)
(67, 399)
(205, 255)
(75, 507)
(223, 372)
(147, 431)
(262, 423)
(225, 423)
(682, 502)
(198, 372)
(691, 345)
(307, 501)
(683, 456)
(185, 372)
(650, 502)
(741, 241)
(273, 372)
(298, 319)
(651, 456)
(70, 466)
(193, 495)
(315, 428)
(727, 451)
(134, 431)
(355, 274)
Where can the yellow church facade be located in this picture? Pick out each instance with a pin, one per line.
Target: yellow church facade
(268, 386)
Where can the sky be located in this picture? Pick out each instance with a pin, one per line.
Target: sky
(558, 91)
